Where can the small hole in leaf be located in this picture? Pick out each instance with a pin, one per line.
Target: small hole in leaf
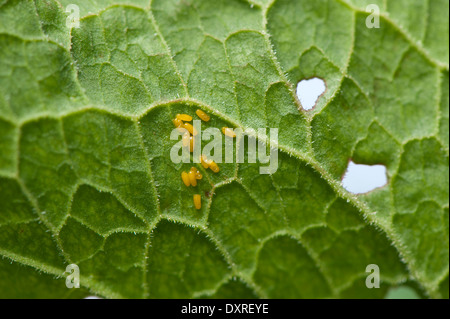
(402, 292)
(360, 178)
(309, 91)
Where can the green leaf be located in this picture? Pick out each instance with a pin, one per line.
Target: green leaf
(86, 176)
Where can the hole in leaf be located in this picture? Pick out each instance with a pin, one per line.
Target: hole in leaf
(402, 292)
(360, 178)
(309, 91)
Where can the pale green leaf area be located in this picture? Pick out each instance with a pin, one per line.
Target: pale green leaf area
(86, 176)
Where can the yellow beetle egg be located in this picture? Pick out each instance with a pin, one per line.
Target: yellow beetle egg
(197, 201)
(186, 139)
(191, 143)
(177, 122)
(228, 132)
(202, 115)
(184, 117)
(204, 161)
(214, 167)
(192, 178)
(198, 175)
(185, 178)
(190, 128)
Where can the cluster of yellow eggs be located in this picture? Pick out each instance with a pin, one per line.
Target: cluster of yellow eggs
(190, 178)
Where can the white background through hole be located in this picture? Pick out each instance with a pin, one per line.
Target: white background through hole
(360, 178)
(308, 92)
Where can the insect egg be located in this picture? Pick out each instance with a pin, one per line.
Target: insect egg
(185, 178)
(191, 143)
(202, 115)
(198, 175)
(197, 201)
(204, 161)
(192, 178)
(186, 139)
(184, 117)
(228, 132)
(190, 128)
(214, 167)
(177, 122)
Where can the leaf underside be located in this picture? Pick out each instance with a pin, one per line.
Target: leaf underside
(86, 176)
